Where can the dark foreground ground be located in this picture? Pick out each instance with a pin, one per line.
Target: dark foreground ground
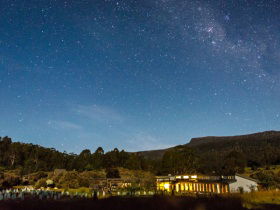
(134, 203)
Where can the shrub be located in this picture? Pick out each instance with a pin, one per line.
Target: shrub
(41, 183)
(112, 173)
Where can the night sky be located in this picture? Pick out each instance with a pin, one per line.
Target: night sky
(137, 75)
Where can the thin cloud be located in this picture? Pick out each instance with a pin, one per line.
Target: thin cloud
(99, 113)
(64, 125)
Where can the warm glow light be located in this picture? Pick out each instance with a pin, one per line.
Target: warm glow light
(178, 177)
(194, 176)
(177, 187)
(185, 177)
(166, 186)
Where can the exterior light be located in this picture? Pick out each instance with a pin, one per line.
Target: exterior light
(166, 186)
(194, 176)
(185, 177)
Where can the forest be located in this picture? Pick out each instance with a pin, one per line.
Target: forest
(211, 157)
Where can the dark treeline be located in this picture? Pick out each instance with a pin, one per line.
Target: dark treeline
(212, 157)
(31, 158)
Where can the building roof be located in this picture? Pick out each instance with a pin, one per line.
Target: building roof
(195, 178)
(246, 177)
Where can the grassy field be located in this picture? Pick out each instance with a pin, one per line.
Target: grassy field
(230, 202)
(261, 198)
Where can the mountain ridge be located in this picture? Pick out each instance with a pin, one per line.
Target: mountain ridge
(208, 140)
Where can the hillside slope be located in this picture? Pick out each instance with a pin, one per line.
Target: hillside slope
(257, 141)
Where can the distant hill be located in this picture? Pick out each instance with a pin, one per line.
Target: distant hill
(249, 137)
(222, 144)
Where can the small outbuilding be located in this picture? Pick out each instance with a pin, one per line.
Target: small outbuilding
(243, 184)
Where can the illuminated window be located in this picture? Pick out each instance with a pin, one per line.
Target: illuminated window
(166, 186)
(190, 187)
(213, 188)
(177, 187)
(182, 187)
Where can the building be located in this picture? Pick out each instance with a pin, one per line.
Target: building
(111, 184)
(243, 183)
(205, 184)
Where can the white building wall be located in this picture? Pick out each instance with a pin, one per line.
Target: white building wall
(246, 184)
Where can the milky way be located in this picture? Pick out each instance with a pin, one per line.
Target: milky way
(137, 74)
